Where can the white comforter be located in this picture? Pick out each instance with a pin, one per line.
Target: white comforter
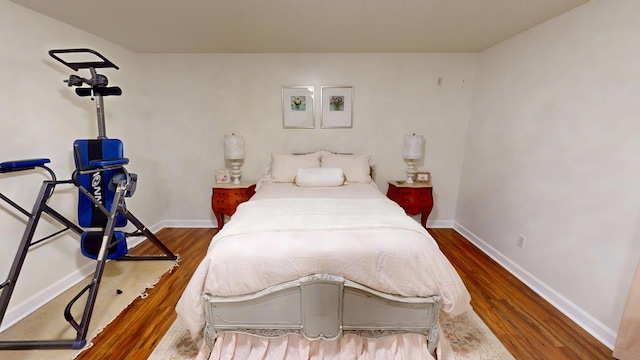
(284, 233)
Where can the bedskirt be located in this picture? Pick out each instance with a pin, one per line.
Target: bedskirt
(294, 347)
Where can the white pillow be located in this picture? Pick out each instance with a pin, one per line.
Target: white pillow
(285, 166)
(356, 168)
(319, 177)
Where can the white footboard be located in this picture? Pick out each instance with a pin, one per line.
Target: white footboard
(322, 306)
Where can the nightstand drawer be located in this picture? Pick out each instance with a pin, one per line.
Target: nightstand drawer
(220, 203)
(408, 201)
(224, 196)
(423, 192)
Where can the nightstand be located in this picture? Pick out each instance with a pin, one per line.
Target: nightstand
(416, 198)
(225, 198)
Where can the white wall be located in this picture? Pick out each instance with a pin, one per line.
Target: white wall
(197, 99)
(552, 154)
(41, 117)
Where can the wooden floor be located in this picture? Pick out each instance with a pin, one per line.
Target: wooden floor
(526, 324)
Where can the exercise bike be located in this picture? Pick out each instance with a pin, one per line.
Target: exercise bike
(103, 183)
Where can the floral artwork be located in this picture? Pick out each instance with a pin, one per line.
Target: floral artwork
(297, 107)
(299, 103)
(337, 107)
(336, 103)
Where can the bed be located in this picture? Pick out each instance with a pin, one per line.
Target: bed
(319, 264)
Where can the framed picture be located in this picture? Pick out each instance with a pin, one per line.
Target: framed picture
(222, 176)
(337, 106)
(297, 107)
(423, 177)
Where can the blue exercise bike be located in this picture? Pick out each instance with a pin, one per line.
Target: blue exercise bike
(103, 183)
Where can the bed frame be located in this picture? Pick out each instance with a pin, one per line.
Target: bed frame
(322, 306)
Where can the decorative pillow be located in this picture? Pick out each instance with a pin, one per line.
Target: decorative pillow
(356, 167)
(319, 177)
(285, 166)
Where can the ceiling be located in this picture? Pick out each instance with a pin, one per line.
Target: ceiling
(301, 26)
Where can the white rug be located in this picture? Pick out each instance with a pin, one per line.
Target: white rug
(469, 336)
(131, 278)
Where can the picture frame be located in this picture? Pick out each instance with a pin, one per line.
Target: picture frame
(337, 107)
(223, 176)
(298, 107)
(423, 177)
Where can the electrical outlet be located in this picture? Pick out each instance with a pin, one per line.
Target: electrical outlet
(521, 241)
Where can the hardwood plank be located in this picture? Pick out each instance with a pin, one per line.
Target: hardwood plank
(526, 324)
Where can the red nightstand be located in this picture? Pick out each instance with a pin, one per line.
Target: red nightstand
(416, 198)
(225, 198)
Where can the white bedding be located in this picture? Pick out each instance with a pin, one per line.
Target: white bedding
(285, 232)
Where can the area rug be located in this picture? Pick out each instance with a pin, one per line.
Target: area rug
(469, 336)
(122, 282)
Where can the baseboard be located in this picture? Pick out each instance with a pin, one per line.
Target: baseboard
(188, 224)
(440, 224)
(435, 223)
(590, 324)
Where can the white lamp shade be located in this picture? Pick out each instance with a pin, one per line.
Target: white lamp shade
(233, 147)
(413, 147)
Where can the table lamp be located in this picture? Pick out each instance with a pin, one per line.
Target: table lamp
(234, 152)
(412, 151)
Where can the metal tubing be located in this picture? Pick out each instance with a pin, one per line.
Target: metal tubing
(42, 344)
(151, 236)
(102, 259)
(15, 205)
(63, 220)
(21, 254)
(40, 206)
(102, 130)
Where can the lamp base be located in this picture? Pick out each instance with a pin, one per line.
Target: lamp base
(235, 172)
(411, 171)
